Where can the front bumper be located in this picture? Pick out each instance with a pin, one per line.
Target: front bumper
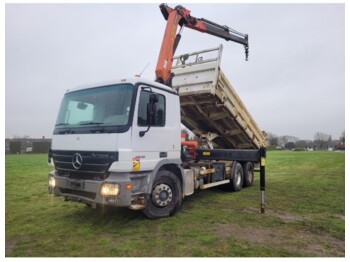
(88, 191)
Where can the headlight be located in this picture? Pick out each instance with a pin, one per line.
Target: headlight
(108, 189)
(52, 182)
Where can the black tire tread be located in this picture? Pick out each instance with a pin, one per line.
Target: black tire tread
(151, 210)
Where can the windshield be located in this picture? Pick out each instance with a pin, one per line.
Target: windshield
(101, 106)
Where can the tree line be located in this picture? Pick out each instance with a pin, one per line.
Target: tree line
(321, 141)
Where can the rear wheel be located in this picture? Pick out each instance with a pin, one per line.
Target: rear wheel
(236, 181)
(166, 196)
(248, 171)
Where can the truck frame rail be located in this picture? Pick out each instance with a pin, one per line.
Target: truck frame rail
(253, 155)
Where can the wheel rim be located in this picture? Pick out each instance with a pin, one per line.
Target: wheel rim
(162, 195)
(250, 175)
(238, 178)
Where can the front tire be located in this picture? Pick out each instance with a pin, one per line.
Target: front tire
(166, 196)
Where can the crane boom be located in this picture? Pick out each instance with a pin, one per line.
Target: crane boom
(180, 16)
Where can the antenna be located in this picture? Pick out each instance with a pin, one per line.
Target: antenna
(139, 75)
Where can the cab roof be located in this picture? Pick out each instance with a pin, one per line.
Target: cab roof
(132, 81)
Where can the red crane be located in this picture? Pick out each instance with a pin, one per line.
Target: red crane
(180, 16)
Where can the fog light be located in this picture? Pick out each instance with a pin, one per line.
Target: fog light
(108, 189)
(52, 182)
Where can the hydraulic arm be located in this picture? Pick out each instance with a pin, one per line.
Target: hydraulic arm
(180, 16)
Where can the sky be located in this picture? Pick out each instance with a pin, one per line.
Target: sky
(293, 83)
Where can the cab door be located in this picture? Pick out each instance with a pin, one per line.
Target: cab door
(156, 127)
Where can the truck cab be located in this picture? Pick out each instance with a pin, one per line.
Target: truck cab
(110, 141)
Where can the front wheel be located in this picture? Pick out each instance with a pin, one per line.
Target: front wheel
(166, 196)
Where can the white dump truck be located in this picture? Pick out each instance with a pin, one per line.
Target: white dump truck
(119, 144)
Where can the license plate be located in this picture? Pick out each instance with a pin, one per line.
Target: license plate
(77, 185)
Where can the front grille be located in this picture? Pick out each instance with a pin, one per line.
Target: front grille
(83, 175)
(90, 165)
(90, 195)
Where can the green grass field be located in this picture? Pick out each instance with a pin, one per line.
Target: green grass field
(305, 216)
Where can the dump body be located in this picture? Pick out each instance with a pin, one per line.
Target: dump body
(210, 104)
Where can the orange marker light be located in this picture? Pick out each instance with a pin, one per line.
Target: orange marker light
(128, 186)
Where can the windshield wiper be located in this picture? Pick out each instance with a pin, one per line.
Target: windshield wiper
(62, 124)
(91, 123)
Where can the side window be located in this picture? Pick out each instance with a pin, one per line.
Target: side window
(159, 119)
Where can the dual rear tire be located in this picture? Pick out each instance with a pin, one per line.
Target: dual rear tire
(241, 176)
(248, 171)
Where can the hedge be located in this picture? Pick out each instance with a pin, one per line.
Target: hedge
(41, 147)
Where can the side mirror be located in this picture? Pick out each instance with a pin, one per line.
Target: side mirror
(153, 98)
(151, 112)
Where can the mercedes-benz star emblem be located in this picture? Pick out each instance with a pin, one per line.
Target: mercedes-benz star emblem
(77, 161)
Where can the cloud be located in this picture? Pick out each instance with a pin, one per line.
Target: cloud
(294, 82)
